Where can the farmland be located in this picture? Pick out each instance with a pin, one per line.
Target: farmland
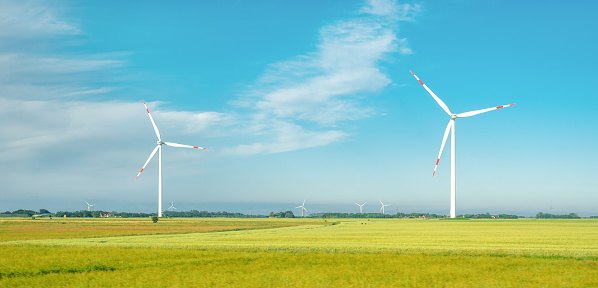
(45, 228)
(299, 253)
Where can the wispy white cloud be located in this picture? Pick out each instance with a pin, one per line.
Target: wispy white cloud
(28, 31)
(29, 77)
(285, 136)
(71, 148)
(326, 87)
(90, 91)
(32, 128)
(188, 122)
(33, 68)
(28, 19)
(392, 10)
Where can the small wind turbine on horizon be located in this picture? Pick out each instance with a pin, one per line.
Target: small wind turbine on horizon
(89, 205)
(159, 148)
(383, 205)
(171, 207)
(451, 128)
(302, 208)
(360, 206)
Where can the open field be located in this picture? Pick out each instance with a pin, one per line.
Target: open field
(46, 228)
(307, 253)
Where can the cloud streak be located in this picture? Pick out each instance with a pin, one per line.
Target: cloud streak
(32, 19)
(29, 30)
(325, 87)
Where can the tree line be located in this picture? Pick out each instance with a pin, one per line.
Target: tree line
(541, 215)
(206, 214)
(410, 215)
(285, 214)
(29, 213)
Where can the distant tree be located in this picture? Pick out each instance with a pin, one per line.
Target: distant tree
(155, 219)
(541, 215)
(44, 211)
(21, 211)
(289, 214)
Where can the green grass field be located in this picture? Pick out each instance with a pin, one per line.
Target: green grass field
(298, 253)
(45, 228)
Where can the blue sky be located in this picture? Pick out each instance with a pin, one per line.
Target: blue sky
(298, 100)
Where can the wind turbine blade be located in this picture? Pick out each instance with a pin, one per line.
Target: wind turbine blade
(148, 159)
(380, 201)
(442, 105)
(182, 146)
(446, 133)
(153, 123)
(476, 112)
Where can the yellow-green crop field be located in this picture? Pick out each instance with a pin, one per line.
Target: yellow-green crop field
(298, 253)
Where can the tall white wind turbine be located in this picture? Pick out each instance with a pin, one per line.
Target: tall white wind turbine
(451, 128)
(159, 148)
(302, 208)
(383, 205)
(360, 206)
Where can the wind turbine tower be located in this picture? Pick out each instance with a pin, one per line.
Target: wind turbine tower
(89, 206)
(171, 208)
(159, 148)
(451, 128)
(302, 208)
(383, 205)
(360, 206)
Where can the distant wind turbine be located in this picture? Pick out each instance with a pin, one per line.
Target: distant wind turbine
(451, 128)
(360, 206)
(383, 205)
(89, 205)
(171, 207)
(159, 148)
(302, 208)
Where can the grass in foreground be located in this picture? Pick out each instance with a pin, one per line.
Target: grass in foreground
(376, 253)
(568, 238)
(37, 266)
